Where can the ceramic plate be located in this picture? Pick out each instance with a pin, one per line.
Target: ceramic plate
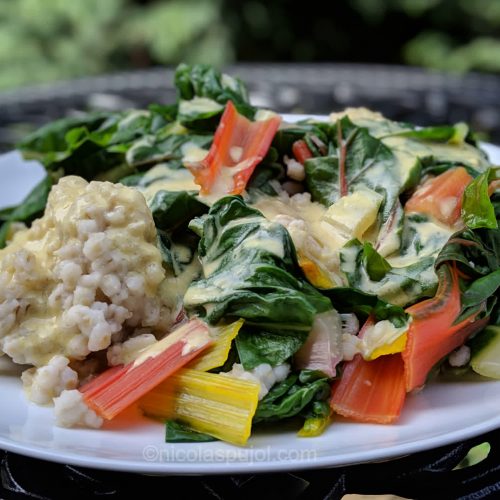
(443, 413)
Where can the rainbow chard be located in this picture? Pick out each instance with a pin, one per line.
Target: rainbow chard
(322, 350)
(117, 388)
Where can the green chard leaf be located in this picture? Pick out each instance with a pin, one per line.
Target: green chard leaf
(172, 209)
(352, 300)
(481, 289)
(49, 143)
(29, 209)
(250, 270)
(296, 395)
(203, 92)
(175, 432)
(477, 208)
(476, 252)
(97, 145)
(256, 346)
(366, 161)
(399, 285)
(452, 134)
(376, 266)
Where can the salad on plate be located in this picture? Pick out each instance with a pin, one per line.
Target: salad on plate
(223, 269)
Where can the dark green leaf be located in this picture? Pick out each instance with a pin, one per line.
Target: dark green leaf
(256, 346)
(481, 289)
(347, 300)
(29, 209)
(292, 397)
(368, 163)
(176, 432)
(172, 209)
(376, 266)
(250, 272)
(477, 251)
(203, 92)
(477, 208)
(453, 134)
(168, 256)
(107, 146)
(47, 141)
(262, 176)
(399, 286)
(5, 213)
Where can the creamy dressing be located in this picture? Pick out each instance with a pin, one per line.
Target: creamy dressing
(261, 239)
(464, 153)
(199, 105)
(407, 150)
(314, 238)
(224, 182)
(194, 336)
(191, 152)
(395, 288)
(173, 288)
(380, 334)
(430, 236)
(229, 82)
(264, 114)
(223, 282)
(161, 177)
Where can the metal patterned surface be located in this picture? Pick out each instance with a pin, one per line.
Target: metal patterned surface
(401, 93)
(425, 475)
(405, 94)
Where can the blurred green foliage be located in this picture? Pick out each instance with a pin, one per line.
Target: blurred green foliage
(43, 40)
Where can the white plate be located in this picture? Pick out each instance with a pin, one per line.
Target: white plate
(444, 412)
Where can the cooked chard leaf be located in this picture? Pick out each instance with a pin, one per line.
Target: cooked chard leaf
(172, 209)
(256, 346)
(250, 270)
(176, 432)
(399, 285)
(376, 266)
(477, 254)
(262, 176)
(453, 134)
(132, 180)
(481, 289)
(352, 300)
(285, 137)
(267, 170)
(170, 263)
(203, 92)
(477, 208)
(152, 149)
(366, 161)
(104, 146)
(48, 144)
(297, 394)
(28, 210)
(476, 251)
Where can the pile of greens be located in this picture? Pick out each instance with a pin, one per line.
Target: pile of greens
(249, 265)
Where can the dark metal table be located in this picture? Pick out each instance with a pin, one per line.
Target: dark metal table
(406, 94)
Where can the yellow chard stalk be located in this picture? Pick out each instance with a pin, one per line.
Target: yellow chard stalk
(216, 355)
(211, 403)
